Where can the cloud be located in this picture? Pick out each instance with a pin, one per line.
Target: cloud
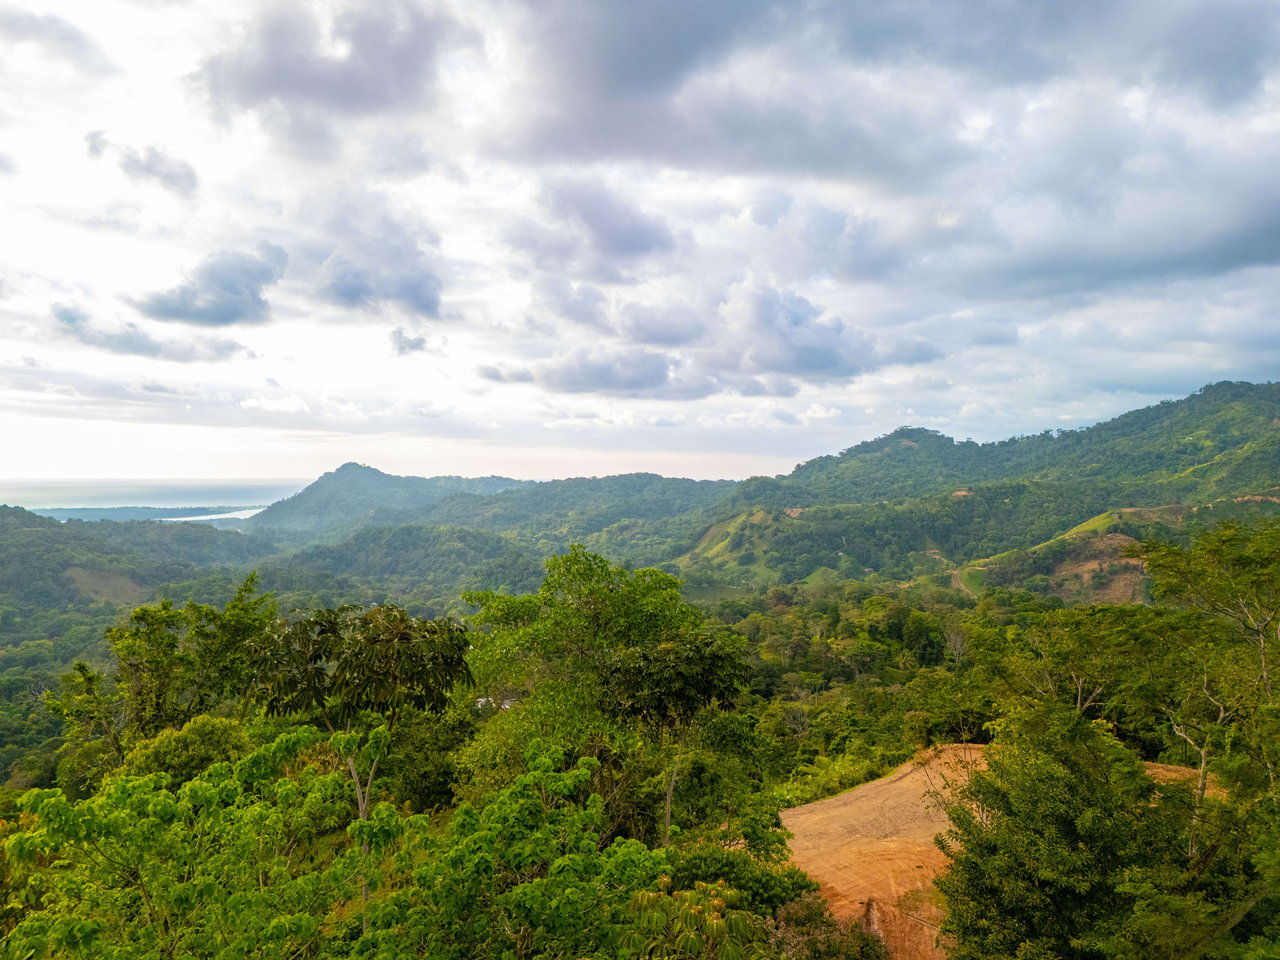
(376, 255)
(621, 371)
(7, 165)
(625, 51)
(771, 331)
(594, 232)
(580, 303)
(131, 340)
(154, 164)
(737, 87)
(300, 73)
(404, 343)
(151, 163)
(96, 143)
(1221, 51)
(505, 375)
(224, 288)
(57, 36)
(665, 325)
(865, 91)
(615, 227)
(758, 341)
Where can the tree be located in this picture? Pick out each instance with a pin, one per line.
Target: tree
(355, 664)
(1065, 848)
(93, 718)
(1231, 572)
(628, 637)
(356, 671)
(171, 664)
(529, 875)
(214, 869)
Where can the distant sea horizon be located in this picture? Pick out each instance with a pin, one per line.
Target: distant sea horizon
(45, 494)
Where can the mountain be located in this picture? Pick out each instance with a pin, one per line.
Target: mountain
(916, 502)
(911, 502)
(1218, 442)
(640, 517)
(426, 567)
(345, 498)
(657, 514)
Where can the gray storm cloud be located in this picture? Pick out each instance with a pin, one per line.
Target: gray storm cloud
(225, 288)
(300, 72)
(129, 339)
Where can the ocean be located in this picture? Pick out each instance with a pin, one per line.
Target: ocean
(33, 494)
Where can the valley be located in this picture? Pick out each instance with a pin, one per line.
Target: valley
(678, 670)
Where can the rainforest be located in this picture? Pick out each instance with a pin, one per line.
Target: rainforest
(492, 718)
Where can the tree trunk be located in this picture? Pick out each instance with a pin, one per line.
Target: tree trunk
(671, 789)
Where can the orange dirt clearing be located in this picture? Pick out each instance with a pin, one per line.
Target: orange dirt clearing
(871, 849)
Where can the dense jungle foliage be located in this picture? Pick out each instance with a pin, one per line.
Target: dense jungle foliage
(416, 739)
(595, 768)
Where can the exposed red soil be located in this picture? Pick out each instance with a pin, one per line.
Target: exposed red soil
(1073, 580)
(871, 848)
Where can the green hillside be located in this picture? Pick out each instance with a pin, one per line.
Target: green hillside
(915, 502)
(1219, 442)
(908, 503)
(345, 498)
(349, 780)
(424, 567)
(640, 517)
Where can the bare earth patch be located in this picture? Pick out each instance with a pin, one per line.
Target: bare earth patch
(103, 585)
(872, 850)
(1122, 583)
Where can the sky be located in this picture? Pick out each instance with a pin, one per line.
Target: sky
(548, 238)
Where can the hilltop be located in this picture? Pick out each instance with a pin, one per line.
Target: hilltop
(915, 502)
(1221, 440)
(343, 498)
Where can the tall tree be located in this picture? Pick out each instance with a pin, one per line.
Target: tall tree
(171, 664)
(1065, 848)
(628, 637)
(1230, 572)
(357, 669)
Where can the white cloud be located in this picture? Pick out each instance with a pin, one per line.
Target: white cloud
(727, 229)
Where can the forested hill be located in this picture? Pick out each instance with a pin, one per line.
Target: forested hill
(918, 503)
(352, 495)
(1222, 441)
(658, 513)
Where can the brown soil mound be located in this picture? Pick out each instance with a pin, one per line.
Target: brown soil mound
(872, 850)
(1100, 572)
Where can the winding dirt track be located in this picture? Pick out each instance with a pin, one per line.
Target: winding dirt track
(872, 849)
